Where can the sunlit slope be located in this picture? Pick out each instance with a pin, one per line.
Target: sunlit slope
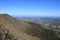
(16, 27)
(13, 22)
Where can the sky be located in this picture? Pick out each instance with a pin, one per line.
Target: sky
(49, 8)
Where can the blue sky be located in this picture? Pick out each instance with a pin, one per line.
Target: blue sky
(30, 7)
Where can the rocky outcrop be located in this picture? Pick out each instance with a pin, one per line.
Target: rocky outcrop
(5, 34)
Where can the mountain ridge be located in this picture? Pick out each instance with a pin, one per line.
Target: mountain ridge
(16, 27)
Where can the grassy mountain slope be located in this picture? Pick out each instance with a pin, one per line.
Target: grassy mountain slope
(24, 30)
(16, 27)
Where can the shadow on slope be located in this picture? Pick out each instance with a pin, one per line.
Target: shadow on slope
(43, 33)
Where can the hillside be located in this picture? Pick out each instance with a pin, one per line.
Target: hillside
(16, 27)
(24, 30)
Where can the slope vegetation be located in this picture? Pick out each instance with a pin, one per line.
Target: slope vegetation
(16, 27)
(23, 30)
